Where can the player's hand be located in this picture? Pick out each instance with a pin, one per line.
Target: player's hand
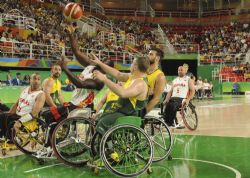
(70, 29)
(185, 102)
(93, 117)
(98, 75)
(17, 125)
(94, 59)
(63, 62)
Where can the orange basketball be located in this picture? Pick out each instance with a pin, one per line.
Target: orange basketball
(73, 11)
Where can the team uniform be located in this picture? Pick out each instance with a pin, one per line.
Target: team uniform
(180, 92)
(118, 107)
(81, 98)
(151, 81)
(25, 105)
(56, 88)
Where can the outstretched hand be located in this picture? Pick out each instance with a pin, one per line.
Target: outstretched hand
(98, 75)
(70, 29)
(63, 62)
(94, 59)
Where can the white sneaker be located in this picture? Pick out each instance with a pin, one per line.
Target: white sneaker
(179, 126)
(45, 152)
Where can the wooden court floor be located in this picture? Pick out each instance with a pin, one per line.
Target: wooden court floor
(219, 148)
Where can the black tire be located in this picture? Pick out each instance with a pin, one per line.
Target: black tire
(95, 144)
(126, 148)
(26, 137)
(161, 137)
(189, 117)
(75, 149)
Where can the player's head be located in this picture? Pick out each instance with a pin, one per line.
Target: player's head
(35, 80)
(185, 67)
(181, 71)
(155, 55)
(56, 71)
(140, 64)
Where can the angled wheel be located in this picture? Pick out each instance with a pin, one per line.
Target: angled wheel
(31, 136)
(75, 148)
(161, 137)
(126, 151)
(95, 144)
(189, 117)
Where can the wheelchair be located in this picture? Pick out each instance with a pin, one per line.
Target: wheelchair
(127, 149)
(188, 116)
(32, 137)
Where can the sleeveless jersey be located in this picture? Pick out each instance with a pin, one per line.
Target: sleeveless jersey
(151, 80)
(81, 96)
(26, 101)
(56, 88)
(127, 106)
(180, 87)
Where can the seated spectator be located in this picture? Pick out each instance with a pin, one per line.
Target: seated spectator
(199, 88)
(206, 88)
(26, 80)
(236, 87)
(17, 80)
(211, 87)
(8, 79)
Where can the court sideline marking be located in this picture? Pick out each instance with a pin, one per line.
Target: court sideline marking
(237, 173)
(32, 170)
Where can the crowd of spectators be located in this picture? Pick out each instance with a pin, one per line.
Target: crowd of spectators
(16, 81)
(227, 42)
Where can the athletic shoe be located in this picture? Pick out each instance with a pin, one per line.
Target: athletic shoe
(179, 126)
(45, 152)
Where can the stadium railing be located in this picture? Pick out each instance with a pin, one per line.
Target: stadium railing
(53, 52)
(21, 22)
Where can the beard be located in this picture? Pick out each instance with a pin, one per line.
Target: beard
(151, 62)
(56, 75)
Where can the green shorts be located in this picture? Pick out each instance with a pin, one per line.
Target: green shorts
(106, 121)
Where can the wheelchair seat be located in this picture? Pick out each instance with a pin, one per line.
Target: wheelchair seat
(130, 120)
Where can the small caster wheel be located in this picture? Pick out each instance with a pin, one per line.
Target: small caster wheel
(4, 152)
(149, 170)
(170, 157)
(96, 171)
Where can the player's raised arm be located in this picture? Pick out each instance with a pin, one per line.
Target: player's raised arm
(121, 76)
(81, 57)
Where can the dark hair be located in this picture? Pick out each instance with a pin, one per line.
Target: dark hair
(158, 51)
(18, 73)
(143, 63)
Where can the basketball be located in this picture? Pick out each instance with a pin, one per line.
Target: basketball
(73, 11)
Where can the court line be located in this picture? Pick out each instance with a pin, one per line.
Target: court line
(237, 173)
(32, 170)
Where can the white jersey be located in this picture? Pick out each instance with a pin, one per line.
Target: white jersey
(199, 84)
(26, 101)
(206, 86)
(180, 87)
(81, 96)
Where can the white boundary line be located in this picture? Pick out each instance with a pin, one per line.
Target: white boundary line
(32, 170)
(237, 173)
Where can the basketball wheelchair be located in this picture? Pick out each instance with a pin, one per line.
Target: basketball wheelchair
(127, 149)
(187, 116)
